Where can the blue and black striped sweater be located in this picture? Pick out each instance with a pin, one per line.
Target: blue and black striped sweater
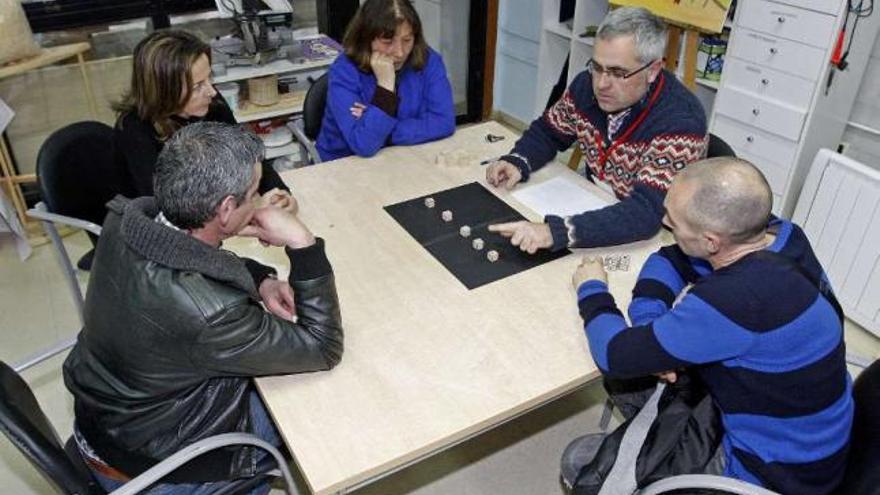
(768, 345)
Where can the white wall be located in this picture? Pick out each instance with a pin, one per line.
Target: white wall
(865, 146)
(445, 26)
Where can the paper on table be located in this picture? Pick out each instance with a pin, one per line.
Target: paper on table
(559, 196)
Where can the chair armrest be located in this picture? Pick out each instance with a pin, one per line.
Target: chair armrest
(725, 484)
(858, 361)
(40, 212)
(40, 356)
(296, 127)
(157, 472)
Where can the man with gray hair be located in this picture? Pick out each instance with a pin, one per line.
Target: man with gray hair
(759, 326)
(174, 326)
(637, 126)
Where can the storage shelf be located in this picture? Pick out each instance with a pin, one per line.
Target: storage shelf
(558, 29)
(708, 83)
(276, 67)
(289, 103)
(288, 149)
(589, 41)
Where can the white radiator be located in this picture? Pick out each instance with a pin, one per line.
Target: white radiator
(839, 209)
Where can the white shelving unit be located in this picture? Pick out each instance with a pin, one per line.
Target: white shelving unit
(275, 67)
(708, 83)
(287, 106)
(241, 74)
(774, 105)
(558, 40)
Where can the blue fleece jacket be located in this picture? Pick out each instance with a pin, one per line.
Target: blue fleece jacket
(766, 342)
(425, 111)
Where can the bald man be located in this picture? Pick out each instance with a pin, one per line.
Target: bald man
(759, 326)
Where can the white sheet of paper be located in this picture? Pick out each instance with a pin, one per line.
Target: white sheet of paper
(558, 196)
(6, 115)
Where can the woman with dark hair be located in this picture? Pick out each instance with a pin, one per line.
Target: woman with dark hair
(388, 88)
(171, 87)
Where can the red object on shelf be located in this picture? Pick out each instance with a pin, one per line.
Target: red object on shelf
(837, 54)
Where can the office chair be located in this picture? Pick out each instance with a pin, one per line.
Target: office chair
(862, 476)
(27, 427)
(77, 175)
(717, 147)
(306, 129)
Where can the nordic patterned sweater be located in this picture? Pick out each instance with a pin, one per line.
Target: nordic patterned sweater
(661, 134)
(768, 345)
(419, 110)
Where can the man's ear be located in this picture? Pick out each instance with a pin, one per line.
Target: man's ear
(654, 70)
(225, 209)
(711, 242)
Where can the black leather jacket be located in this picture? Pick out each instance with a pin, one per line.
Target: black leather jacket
(174, 332)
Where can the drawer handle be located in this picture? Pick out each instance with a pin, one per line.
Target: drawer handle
(780, 19)
(773, 51)
(750, 139)
(765, 81)
(755, 112)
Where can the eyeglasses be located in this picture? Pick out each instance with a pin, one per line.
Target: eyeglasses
(614, 73)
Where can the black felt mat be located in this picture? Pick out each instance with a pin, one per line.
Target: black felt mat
(472, 205)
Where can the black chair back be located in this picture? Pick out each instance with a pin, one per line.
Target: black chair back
(717, 147)
(28, 428)
(313, 107)
(863, 466)
(76, 171)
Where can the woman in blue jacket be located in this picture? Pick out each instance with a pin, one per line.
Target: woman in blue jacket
(388, 88)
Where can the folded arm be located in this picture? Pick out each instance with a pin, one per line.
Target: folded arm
(436, 117)
(367, 134)
(246, 340)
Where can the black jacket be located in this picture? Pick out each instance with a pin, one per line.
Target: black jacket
(173, 333)
(136, 147)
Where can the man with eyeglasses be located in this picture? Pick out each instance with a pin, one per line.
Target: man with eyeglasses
(636, 124)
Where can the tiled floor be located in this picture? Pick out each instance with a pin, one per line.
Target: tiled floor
(520, 457)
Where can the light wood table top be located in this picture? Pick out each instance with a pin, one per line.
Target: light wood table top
(427, 362)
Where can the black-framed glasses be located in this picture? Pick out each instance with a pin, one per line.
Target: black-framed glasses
(615, 73)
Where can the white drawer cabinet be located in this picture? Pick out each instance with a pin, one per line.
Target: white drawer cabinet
(783, 55)
(776, 174)
(769, 83)
(788, 22)
(747, 139)
(827, 6)
(774, 105)
(764, 113)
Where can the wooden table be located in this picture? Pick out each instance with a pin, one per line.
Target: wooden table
(47, 56)
(427, 362)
